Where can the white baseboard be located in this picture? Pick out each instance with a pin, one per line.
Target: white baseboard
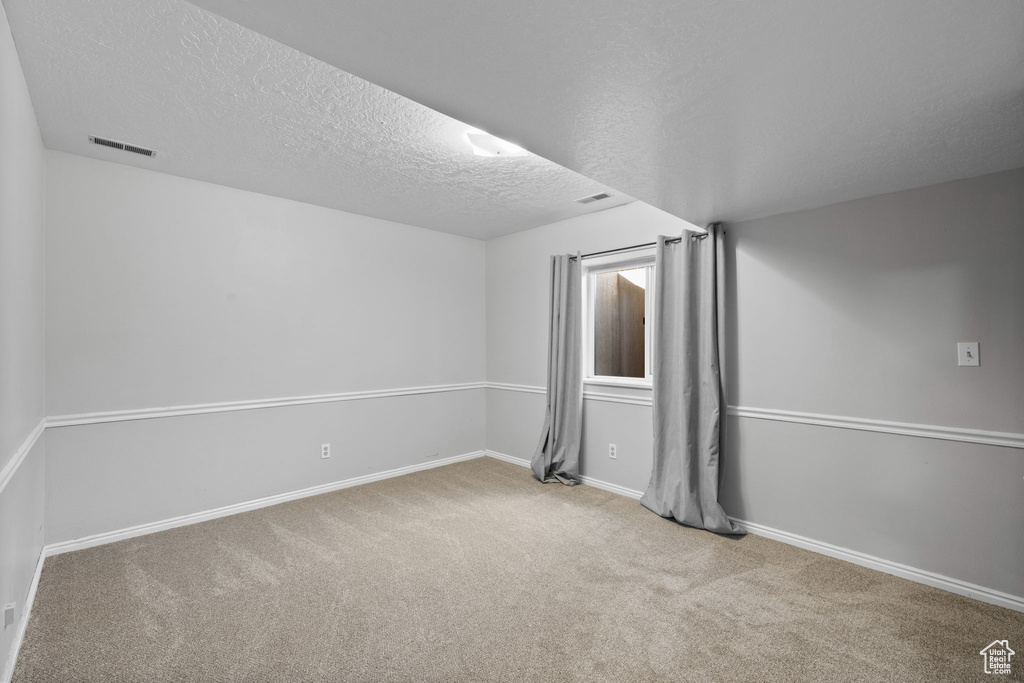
(927, 578)
(589, 481)
(196, 517)
(26, 612)
(614, 488)
(904, 571)
(504, 457)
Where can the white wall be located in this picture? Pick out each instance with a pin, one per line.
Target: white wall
(21, 335)
(167, 291)
(21, 255)
(856, 310)
(163, 291)
(850, 310)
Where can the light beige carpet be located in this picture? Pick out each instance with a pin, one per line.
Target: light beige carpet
(476, 572)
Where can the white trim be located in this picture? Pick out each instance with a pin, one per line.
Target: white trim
(644, 257)
(26, 612)
(8, 471)
(203, 408)
(612, 488)
(196, 517)
(618, 398)
(630, 382)
(638, 400)
(928, 578)
(504, 457)
(638, 257)
(1007, 439)
(522, 388)
(960, 434)
(589, 481)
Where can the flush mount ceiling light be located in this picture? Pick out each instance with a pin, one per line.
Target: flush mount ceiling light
(486, 145)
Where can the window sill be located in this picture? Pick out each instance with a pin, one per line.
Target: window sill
(634, 383)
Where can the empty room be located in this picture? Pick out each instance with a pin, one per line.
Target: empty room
(430, 341)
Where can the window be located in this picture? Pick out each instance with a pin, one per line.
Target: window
(617, 317)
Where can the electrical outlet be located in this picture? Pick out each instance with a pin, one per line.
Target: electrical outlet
(325, 450)
(9, 614)
(613, 451)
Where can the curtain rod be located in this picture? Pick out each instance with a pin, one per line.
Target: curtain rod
(697, 236)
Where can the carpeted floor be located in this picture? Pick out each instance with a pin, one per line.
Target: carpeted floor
(476, 572)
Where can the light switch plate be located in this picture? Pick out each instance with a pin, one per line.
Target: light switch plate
(967, 354)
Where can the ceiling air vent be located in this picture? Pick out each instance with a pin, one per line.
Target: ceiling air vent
(594, 198)
(122, 145)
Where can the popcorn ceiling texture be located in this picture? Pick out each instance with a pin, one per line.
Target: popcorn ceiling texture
(709, 110)
(227, 105)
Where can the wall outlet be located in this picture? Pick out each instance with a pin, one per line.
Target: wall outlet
(9, 614)
(325, 450)
(613, 451)
(967, 354)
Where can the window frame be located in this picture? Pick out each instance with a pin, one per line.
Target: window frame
(607, 264)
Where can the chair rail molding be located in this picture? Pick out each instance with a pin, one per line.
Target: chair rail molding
(979, 436)
(8, 471)
(229, 406)
(961, 434)
(521, 388)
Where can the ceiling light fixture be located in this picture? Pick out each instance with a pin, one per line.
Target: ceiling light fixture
(486, 145)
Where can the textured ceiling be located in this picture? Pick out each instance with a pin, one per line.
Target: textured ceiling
(224, 104)
(704, 108)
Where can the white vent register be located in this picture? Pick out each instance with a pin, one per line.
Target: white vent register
(593, 198)
(122, 146)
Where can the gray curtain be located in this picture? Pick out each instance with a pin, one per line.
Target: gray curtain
(689, 397)
(558, 454)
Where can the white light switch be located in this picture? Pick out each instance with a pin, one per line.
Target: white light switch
(967, 353)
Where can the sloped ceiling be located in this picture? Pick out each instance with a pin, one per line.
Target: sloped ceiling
(224, 104)
(707, 109)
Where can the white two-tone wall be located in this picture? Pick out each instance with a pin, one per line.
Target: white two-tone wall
(22, 368)
(853, 429)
